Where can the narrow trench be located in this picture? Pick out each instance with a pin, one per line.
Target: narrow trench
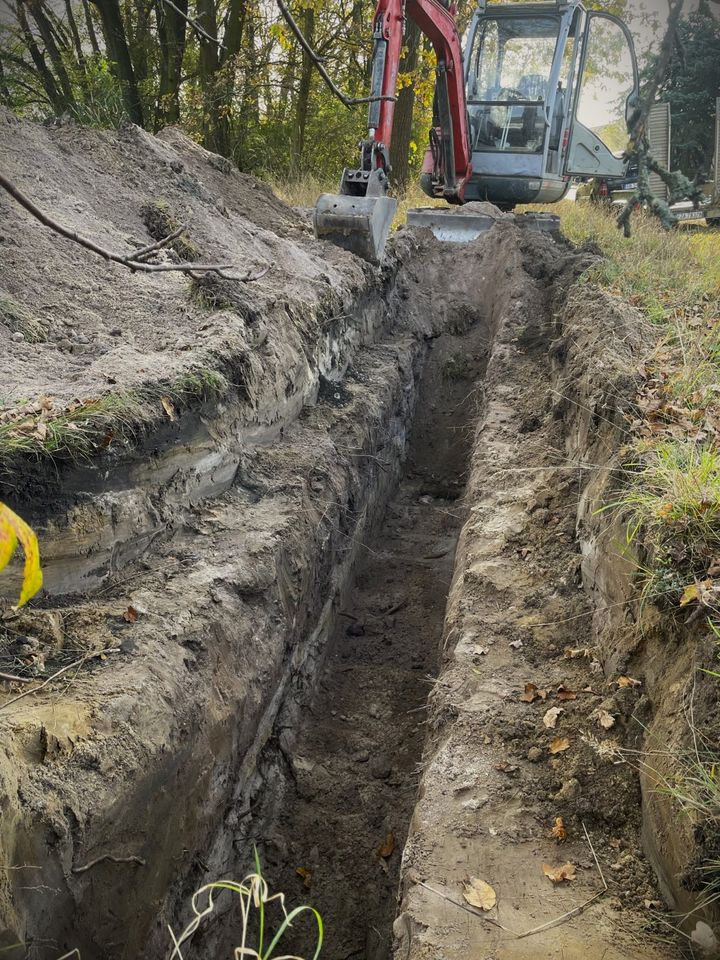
(339, 807)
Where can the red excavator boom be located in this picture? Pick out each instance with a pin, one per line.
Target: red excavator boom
(451, 149)
(358, 218)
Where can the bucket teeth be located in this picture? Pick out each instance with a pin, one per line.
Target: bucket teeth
(358, 224)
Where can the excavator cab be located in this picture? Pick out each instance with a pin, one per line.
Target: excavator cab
(550, 88)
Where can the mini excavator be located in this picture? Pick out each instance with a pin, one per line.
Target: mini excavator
(505, 117)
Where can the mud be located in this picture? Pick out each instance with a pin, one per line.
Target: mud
(251, 599)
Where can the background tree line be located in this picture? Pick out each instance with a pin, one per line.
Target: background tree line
(229, 71)
(232, 74)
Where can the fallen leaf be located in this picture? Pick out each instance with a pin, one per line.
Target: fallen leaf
(516, 644)
(130, 615)
(387, 847)
(559, 744)
(46, 403)
(571, 653)
(689, 594)
(628, 682)
(551, 717)
(305, 874)
(532, 693)
(559, 874)
(696, 591)
(564, 694)
(479, 894)
(558, 832)
(168, 407)
(605, 719)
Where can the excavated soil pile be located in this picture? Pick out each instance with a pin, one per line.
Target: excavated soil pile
(275, 518)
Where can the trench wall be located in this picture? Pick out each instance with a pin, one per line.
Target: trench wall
(602, 341)
(232, 536)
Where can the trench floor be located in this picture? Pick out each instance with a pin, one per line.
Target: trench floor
(350, 786)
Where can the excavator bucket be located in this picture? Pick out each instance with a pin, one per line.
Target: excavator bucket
(358, 224)
(359, 217)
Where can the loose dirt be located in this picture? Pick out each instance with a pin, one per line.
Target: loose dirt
(254, 593)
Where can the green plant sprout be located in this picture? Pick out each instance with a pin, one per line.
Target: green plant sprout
(254, 895)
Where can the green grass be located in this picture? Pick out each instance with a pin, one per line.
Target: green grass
(253, 899)
(19, 319)
(87, 428)
(670, 486)
(672, 480)
(161, 222)
(673, 504)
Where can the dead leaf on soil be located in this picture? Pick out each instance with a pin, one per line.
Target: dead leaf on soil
(571, 653)
(479, 894)
(605, 719)
(168, 407)
(559, 744)
(386, 850)
(559, 874)
(305, 874)
(558, 832)
(696, 591)
(130, 615)
(628, 682)
(532, 693)
(564, 694)
(551, 717)
(516, 644)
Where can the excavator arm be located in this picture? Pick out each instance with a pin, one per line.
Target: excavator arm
(359, 217)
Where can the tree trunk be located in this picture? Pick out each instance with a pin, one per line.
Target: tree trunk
(234, 27)
(90, 27)
(4, 90)
(141, 39)
(75, 33)
(119, 55)
(172, 35)
(47, 79)
(215, 116)
(46, 32)
(403, 123)
(301, 107)
(249, 107)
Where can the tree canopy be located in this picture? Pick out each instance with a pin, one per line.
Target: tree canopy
(691, 87)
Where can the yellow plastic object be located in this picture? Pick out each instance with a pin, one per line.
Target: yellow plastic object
(14, 530)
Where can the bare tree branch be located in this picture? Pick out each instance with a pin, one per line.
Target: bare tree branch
(144, 252)
(194, 24)
(130, 260)
(343, 98)
(661, 69)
